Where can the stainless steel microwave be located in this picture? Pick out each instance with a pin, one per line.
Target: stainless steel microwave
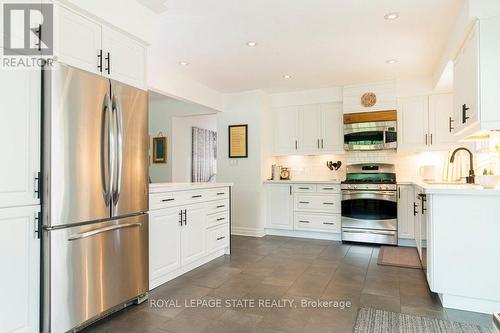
(377, 135)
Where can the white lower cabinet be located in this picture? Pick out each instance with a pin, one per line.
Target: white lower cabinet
(20, 278)
(406, 199)
(303, 207)
(279, 206)
(186, 230)
(193, 234)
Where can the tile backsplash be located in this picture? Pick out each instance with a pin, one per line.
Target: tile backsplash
(407, 165)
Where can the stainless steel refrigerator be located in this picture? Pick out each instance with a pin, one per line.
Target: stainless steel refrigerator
(95, 197)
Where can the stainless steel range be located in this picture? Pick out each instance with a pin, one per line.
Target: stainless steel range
(369, 204)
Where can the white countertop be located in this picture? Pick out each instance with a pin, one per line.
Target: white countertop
(453, 188)
(166, 187)
(294, 181)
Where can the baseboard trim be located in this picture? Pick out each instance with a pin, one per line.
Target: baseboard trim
(244, 231)
(304, 234)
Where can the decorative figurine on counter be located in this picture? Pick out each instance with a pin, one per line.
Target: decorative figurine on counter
(333, 166)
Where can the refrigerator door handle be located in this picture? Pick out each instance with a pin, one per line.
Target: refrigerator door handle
(106, 150)
(101, 230)
(118, 130)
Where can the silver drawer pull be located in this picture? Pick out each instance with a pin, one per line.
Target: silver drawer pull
(221, 193)
(329, 223)
(327, 203)
(221, 238)
(327, 188)
(304, 202)
(101, 230)
(304, 188)
(304, 222)
(167, 200)
(221, 219)
(196, 196)
(221, 206)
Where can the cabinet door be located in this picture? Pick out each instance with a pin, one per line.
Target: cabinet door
(466, 83)
(279, 206)
(440, 116)
(19, 136)
(285, 130)
(20, 278)
(332, 139)
(413, 124)
(164, 244)
(405, 212)
(193, 234)
(417, 218)
(77, 40)
(124, 57)
(309, 128)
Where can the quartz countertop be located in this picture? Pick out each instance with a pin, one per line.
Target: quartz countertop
(453, 188)
(165, 187)
(305, 181)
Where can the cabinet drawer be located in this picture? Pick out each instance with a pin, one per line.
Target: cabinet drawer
(328, 189)
(304, 188)
(219, 206)
(319, 222)
(166, 200)
(323, 203)
(217, 193)
(216, 219)
(218, 237)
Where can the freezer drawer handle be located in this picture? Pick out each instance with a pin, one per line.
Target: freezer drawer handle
(101, 230)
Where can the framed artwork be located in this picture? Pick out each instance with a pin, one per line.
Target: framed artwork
(238, 141)
(160, 149)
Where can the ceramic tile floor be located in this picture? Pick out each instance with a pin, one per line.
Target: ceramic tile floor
(280, 268)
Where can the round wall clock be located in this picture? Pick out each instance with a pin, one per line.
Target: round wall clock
(368, 99)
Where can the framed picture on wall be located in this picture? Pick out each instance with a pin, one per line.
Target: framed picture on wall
(238, 141)
(160, 149)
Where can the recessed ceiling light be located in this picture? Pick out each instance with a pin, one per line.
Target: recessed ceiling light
(286, 76)
(251, 43)
(183, 63)
(391, 16)
(391, 61)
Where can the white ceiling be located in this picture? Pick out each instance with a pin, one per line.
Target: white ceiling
(320, 43)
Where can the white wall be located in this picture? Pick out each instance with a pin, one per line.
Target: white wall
(182, 141)
(247, 174)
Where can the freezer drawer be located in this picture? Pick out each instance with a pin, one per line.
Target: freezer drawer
(94, 268)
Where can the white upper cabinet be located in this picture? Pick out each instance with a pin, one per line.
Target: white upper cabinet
(309, 128)
(77, 40)
(441, 121)
(476, 80)
(20, 278)
(19, 137)
(332, 129)
(385, 92)
(312, 129)
(425, 122)
(413, 124)
(124, 58)
(279, 206)
(89, 45)
(285, 130)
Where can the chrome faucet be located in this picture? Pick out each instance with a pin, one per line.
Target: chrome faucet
(470, 178)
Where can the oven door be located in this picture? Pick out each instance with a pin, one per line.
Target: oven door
(375, 210)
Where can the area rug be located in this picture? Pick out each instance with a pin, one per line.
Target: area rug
(380, 321)
(399, 256)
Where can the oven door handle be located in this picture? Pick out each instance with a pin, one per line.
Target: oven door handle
(375, 195)
(371, 231)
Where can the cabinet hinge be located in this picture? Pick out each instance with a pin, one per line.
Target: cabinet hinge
(38, 184)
